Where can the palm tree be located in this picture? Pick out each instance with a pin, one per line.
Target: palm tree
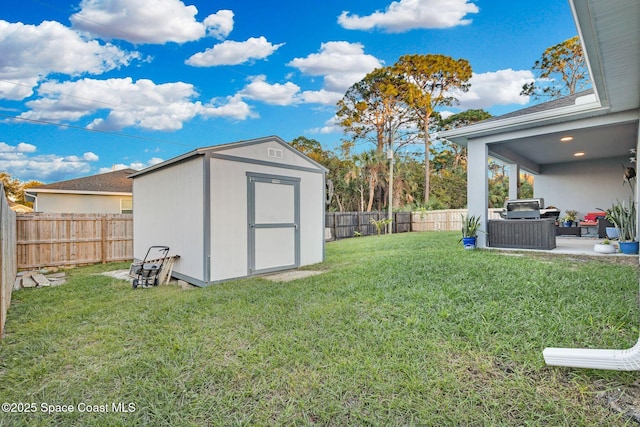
(367, 171)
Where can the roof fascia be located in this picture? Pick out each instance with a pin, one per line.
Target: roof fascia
(207, 151)
(536, 119)
(181, 158)
(585, 122)
(273, 138)
(34, 191)
(587, 34)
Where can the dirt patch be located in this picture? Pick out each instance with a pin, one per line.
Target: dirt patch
(287, 276)
(624, 400)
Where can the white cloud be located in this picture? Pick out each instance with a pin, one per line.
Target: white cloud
(90, 157)
(405, 15)
(137, 165)
(231, 107)
(141, 104)
(500, 87)
(31, 52)
(341, 64)
(321, 96)
(21, 162)
(234, 53)
(149, 21)
(16, 89)
(22, 147)
(274, 94)
(220, 24)
(330, 126)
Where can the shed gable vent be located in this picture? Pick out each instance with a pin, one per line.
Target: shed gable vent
(276, 153)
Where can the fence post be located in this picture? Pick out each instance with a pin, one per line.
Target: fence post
(103, 245)
(8, 250)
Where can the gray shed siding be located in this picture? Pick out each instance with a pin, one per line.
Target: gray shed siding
(168, 210)
(199, 203)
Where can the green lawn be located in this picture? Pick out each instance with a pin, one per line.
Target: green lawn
(408, 329)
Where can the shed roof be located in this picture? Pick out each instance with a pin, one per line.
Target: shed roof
(216, 149)
(110, 182)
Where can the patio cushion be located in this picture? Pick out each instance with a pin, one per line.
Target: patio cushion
(593, 216)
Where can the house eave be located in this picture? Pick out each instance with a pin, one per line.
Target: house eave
(541, 118)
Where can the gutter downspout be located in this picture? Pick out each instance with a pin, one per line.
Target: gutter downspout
(33, 198)
(613, 360)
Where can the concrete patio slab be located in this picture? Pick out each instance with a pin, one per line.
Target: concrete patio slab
(573, 246)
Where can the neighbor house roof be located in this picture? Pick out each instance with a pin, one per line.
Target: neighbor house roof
(566, 101)
(116, 182)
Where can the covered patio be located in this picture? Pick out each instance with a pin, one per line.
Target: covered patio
(576, 147)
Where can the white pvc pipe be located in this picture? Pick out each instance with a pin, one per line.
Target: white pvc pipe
(615, 360)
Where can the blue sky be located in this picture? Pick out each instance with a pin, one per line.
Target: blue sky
(88, 86)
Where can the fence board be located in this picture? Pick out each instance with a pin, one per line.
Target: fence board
(7, 256)
(443, 220)
(56, 240)
(343, 225)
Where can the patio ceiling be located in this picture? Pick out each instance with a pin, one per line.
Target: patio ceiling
(603, 124)
(595, 138)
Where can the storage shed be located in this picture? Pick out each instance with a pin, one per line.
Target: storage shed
(232, 210)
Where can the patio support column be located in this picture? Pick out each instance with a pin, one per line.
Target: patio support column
(478, 186)
(514, 181)
(635, 165)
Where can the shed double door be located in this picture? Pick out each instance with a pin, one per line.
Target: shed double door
(274, 222)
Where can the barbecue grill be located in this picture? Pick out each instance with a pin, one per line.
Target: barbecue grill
(528, 209)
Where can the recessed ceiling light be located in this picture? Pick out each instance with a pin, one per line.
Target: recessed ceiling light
(566, 138)
(579, 154)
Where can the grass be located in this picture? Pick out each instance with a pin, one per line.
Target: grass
(406, 329)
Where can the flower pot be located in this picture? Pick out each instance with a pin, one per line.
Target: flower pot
(612, 232)
(629, 248)
(601, 248)
(567, 223)
(469, 242)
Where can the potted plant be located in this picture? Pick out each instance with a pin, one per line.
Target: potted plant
(605, 247)
(623, 216)
(470, 228)
(569, 217)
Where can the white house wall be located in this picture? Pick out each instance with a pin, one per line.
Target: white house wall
(229, 226)
(584, 186)
(78, 203)
(168, 211)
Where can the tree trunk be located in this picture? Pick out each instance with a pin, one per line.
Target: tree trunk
(372, 190)
(427, 169)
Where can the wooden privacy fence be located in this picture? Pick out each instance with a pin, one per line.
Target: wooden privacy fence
(444, 220)
(58, 240)
(7, 256)
(342, 225)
